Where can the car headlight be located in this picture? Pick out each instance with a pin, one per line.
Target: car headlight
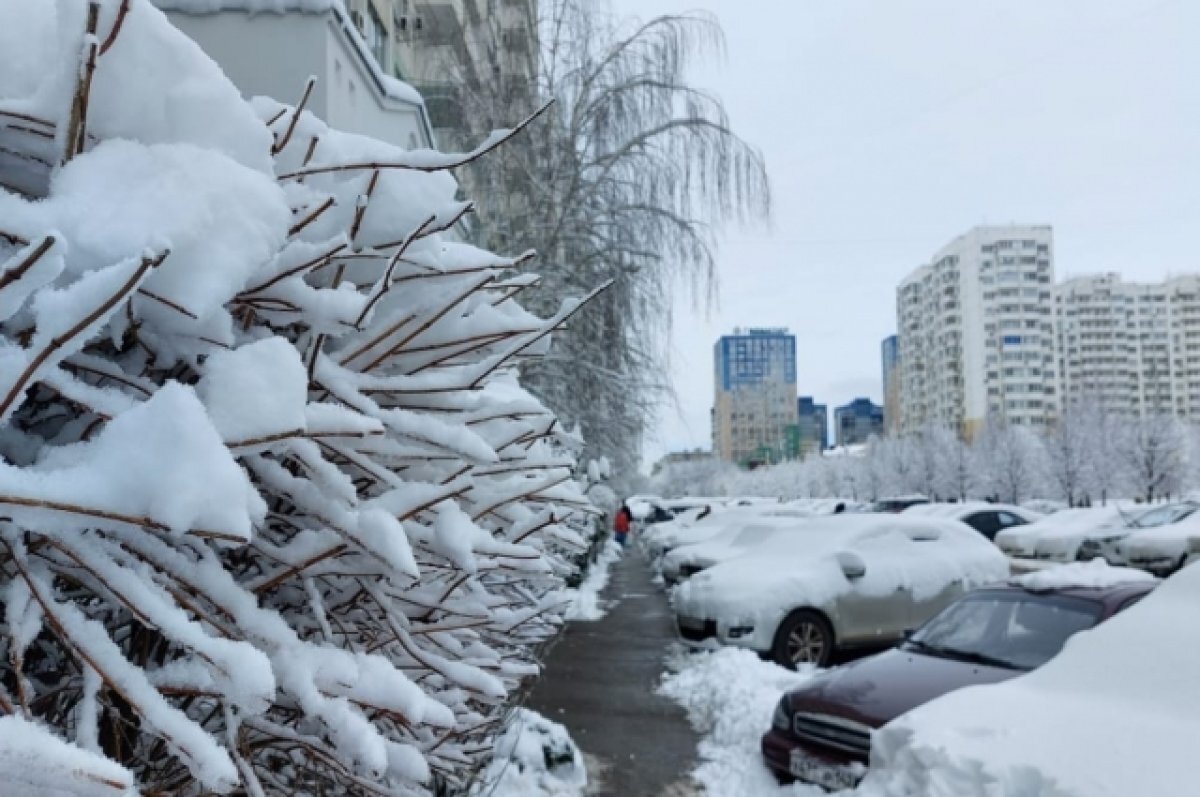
(782, 719)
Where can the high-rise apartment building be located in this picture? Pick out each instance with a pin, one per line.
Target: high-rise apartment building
(755, 404)
(461, 52)
(976, 329)
(814, 427)
(1133, 348)
(889, 357)
(855, 423)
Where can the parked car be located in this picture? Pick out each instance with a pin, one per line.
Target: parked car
(858, 581)
(1021, 542)
(1161, 550)
(821, 732)
(1113, 715)
(686, 561)
(1106, 542)
(898, 503)
(690, 528)
(987, 519)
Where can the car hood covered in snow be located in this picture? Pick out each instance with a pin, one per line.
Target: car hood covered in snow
(1114, 714)
(880, 688)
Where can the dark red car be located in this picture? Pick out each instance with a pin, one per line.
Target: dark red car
(821, 732)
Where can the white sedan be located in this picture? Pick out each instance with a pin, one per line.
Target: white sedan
(686, 561)
(857, 581)
(987, 519)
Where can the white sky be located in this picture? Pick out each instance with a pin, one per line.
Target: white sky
(890, 126)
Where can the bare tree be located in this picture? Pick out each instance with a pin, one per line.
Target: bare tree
(1154, 449)
(626, 178)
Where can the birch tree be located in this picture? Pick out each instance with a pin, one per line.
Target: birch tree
(627, 178)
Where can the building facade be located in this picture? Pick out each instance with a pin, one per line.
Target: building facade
(976, 333)
(856, 422)
(348, 47)
(755, 396)
(889, 356)
(1131, 348)
(813, 427)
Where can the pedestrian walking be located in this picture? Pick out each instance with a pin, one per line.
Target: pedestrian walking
(621, 525)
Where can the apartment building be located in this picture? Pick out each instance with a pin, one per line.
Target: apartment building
(889, 357)
(462, 52)
(976, 332)
(755, 407)
(856, 422)
(1134, 348)
(814, 427)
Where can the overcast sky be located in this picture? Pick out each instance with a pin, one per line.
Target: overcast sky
(891, 126)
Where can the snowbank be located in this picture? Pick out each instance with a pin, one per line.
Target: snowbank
(535, 757)
(1114, 714)
(585, 600)
(729, 696)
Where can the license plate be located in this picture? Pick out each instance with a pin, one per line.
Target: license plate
(830, 776)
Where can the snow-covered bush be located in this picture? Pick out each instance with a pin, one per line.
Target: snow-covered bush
(275, 513)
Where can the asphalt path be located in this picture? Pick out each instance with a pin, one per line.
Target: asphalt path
(599, 682)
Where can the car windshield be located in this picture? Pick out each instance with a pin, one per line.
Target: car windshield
(1163, 516)
(1018, 630)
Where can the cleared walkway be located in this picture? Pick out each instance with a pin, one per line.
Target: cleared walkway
(599, 682)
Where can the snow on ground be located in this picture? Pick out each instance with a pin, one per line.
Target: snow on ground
(729, 695)
(534, 758)
(585, 600)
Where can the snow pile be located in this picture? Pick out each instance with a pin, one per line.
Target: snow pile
(729, 696)
(1114, 714)
(535, 757)
(274, 504)
(1095, 574)
(585, 601)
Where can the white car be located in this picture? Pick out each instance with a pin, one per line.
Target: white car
(857, 581)
(1040, 539)
(1112, 715)
(696, 526)
(1161, 550)
(686, 561)
(1108, 542)
(987, 519)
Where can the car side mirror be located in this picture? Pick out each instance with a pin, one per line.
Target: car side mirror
(852, 564)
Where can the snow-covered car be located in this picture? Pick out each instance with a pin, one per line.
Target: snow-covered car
(1113, 715)
(686, 561)
(987, 519)
(1108, 541)
(857, 581)
(897, 503)
(696, 526)
(1072, 525)
(1161, 550)
(821, 731)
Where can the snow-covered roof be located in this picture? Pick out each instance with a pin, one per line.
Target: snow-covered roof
(1094, 574)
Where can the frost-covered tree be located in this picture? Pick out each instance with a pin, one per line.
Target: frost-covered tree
(628, 177)
(1076, 455)
(1011, 460)
(1154, 450)
(276, 515)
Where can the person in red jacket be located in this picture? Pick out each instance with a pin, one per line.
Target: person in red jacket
(621, 524)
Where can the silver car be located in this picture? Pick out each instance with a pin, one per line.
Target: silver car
(855, 581)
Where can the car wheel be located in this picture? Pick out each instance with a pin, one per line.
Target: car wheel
(804, 637)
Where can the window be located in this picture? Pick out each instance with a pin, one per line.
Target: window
(376, 35)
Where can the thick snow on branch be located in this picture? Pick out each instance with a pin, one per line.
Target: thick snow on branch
(277, 514)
